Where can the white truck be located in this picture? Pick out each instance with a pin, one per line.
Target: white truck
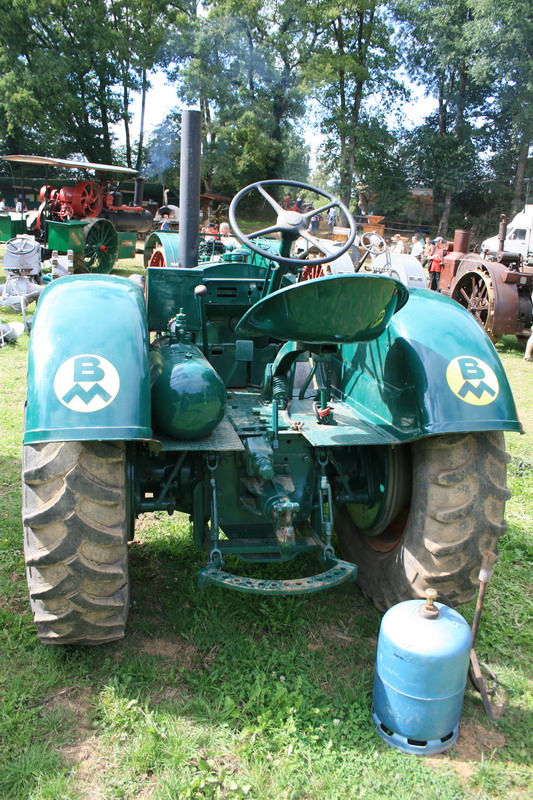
(519, 237)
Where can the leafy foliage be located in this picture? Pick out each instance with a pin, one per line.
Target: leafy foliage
(259, 70)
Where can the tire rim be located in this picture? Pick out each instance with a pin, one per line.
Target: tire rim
(382, 521)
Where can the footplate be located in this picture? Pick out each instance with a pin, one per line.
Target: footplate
(338, 572)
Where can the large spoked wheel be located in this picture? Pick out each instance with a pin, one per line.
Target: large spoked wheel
(101, 248)
(291, 224)
(474, 291)
(440, 506)
(78, 518)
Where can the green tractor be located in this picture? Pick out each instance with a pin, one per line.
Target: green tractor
(346, 415)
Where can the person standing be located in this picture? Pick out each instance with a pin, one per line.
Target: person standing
(528, 355)
(417, 248)
(314, 223)
(3, 207)
(435, 265)
(398, 246)
(428, 252)
(332, 218)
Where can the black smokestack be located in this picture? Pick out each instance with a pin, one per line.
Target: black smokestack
(191, 144)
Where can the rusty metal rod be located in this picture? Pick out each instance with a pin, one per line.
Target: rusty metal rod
(475, 674)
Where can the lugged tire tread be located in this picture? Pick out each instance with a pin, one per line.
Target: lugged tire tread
(76, 599)
(456, 478)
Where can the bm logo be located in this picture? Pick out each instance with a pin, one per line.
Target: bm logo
(86, 383)
(472, 380)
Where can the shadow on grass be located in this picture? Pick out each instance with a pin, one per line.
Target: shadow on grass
(218, 657)
(267, 673)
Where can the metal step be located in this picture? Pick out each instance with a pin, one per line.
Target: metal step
(338, 572)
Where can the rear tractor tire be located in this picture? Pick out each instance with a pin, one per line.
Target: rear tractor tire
(448, 512)
(77, 522)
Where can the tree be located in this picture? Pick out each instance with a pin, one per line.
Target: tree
(240, 63)
(503, 38)
(68, 70)
(350, 73)
(440, 53)
(58, 82)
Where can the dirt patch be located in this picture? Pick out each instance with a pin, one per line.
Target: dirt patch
(146, 792)
(464, 769)
(473, 744)
(79, 704)
(176, 649)
(91, 764)
(144, 521)
(336, 633)
(14, 605)
(475, 741)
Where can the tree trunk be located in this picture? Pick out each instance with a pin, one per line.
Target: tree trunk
(126, 116)
(104, 116)
(144, 91)
(458, 135)
(523, 153)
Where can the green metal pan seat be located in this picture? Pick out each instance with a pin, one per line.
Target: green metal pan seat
(360, 305)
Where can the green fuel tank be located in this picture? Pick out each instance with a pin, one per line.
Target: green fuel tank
(188, 396)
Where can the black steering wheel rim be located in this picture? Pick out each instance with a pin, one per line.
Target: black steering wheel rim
(289, 225)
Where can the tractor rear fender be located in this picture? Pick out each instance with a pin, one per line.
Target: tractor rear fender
(433, 371)
(88, 375)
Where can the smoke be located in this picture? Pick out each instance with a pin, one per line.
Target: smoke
(164, 147)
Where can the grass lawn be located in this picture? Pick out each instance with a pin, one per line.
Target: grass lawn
(214, 694)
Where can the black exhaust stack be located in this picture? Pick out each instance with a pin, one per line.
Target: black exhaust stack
(138, 192)
(191, 147)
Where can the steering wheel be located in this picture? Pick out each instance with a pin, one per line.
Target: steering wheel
(291, 224)
(373, 243)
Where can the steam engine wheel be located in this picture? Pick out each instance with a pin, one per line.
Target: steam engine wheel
(475, 292)
(157, 259)
(101, 248)
(161, 249)
(318, 271)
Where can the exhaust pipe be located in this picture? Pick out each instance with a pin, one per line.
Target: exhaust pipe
(502, 235)
(138, 192)
(191, 146)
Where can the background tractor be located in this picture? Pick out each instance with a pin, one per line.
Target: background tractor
(347, 412)
(495, 287)
(87, 218)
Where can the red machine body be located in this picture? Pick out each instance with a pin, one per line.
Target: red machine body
(497, 293)
(88, 199)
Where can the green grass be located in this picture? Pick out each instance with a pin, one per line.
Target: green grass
(220, 695)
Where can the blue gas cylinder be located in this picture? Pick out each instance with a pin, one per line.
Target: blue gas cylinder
(421, 671)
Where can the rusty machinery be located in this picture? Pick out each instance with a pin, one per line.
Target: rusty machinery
(88, 217)
(497, 291)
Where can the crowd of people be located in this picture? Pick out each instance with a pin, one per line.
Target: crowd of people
(20, 206)
(429, 252)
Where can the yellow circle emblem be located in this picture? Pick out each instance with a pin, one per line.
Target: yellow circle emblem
(472, 381)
